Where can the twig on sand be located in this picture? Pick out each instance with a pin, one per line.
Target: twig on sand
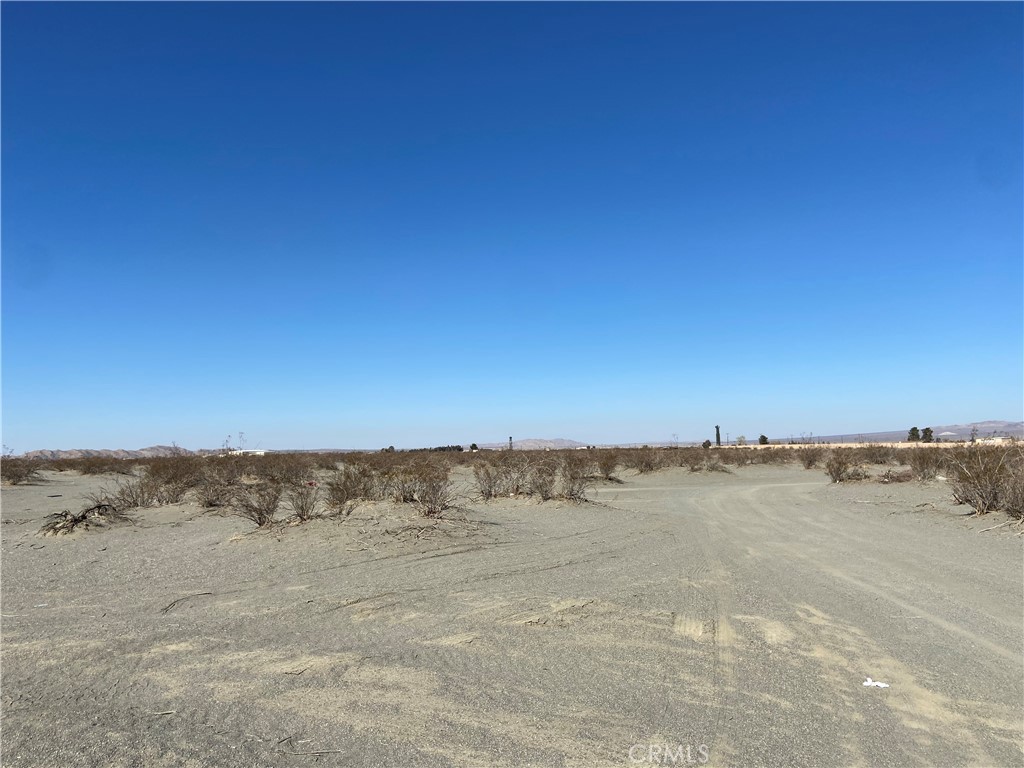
(168, 712)
(995, 526)
(295, 672)
(314, 752)
(167, 608)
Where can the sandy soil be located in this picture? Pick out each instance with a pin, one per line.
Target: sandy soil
(736, 615)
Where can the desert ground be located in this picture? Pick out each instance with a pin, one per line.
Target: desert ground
(676, 618)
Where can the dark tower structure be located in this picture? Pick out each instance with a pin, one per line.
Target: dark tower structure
(718, 436)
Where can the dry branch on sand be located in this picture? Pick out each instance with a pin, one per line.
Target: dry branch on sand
(98, 516)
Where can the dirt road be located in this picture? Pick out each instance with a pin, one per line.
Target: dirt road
(680, 618)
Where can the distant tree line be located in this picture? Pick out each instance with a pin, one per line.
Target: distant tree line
(915, 435)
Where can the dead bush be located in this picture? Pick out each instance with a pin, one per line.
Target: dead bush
(506, 473)
(435, 492)
(96, 516)
(774, 455)
(643, 460)
(689, 457)
(925, 463)
(219, 481)
(736, 456)
(714, 463)
(877, 454)
(259, 502)
(896, 476)
(978, 474)
(810, 455)
(404, 482)
(176, 469)
(18, 470)
(303, 498)
(607, 462)
(326, 461)
(281, 468)
(1011, 492)
(542, 479)
(290, 468)
(102, 465)
(354, 481)
(513, 470)
(841, 466)
(174, 476)
(213, 492)
(575, 470)
(488, 479)
(131, 493)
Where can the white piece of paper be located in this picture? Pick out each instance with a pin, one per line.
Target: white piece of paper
(875, 683)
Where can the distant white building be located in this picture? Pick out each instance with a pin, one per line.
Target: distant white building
(995, 440)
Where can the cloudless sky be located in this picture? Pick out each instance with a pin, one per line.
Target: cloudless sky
(360, 225)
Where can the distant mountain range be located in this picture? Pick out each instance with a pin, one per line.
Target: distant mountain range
(947, 432)
(536, 444)
(154, 451)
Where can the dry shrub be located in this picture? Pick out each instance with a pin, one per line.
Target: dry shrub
(219, 481)
(542, 478)
(404, 482)
(96, 516)
(707, 461)
(925, 463)
(488, 479)
(131, 493)
(896, 476)
(643, 460)
(19, 470)
(607, 462)
(877, 454)
(435, 492)
(102, 465)
(174, 476)
(737, 456)
(713, 463)
(514, 467)
(303, 498)
(688, 457)
(282, 468)
(326, 461)
(810, 455)
(506, 473)
(537, 473)
(1011, 491)
(774, 455)
(978, 474)
(259, 502)
(354, 481)
(575, 470)
(212, 492)
(842, 467)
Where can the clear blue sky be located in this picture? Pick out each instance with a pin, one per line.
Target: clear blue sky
(355, 225)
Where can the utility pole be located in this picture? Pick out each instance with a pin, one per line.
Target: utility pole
(718, 436)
